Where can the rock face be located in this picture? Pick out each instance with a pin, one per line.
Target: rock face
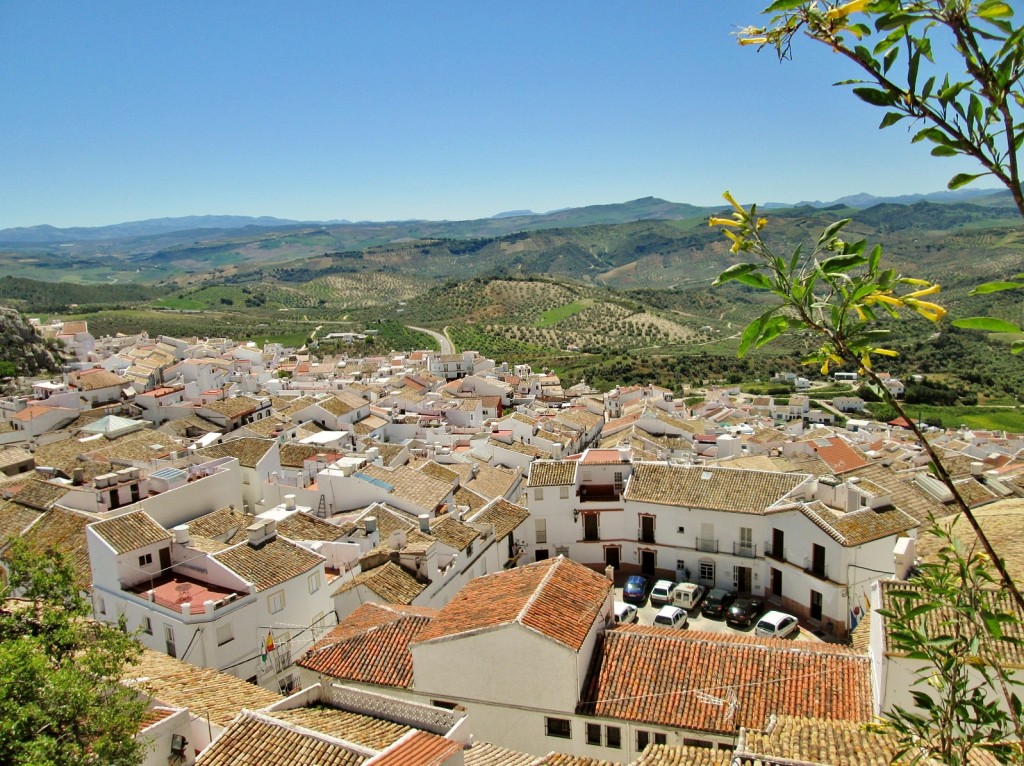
(22, 351)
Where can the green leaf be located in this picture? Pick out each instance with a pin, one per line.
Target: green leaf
(995, 10)
(962, 179)
(755, 279)
(875, 97)
(751, 333)
(840, 263)
(988, 324)
(891, 118)
(944, 151)
(996, 287)
(875, 257)
(1017, 346)
(831, 230)
(773, 328)
(734, 272)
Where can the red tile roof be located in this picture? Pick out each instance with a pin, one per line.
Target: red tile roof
(558, 598)
(713, 683)
(371, 646)
(839, 455)
(418, 748)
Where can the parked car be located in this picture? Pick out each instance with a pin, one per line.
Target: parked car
(661, 593)
(744, 612)
(671, 617)
(686, 595)
(776, 625)
(635, 589)
(717, 603)
(626, 614)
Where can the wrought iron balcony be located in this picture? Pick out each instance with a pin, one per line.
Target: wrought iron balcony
(747, 550)
(707, 544)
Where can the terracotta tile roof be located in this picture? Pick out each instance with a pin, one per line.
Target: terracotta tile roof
(1002, 522)
(858, 527)
(602, 457)
(839, 455)
(814, 741)
(860, 639)
(558, 598)
(255, 739)
(248, 450)
(565, 759)
(295, 455)
(370, 646)
(222, 524)
(551, 473)
(15, 518)
(342, 403)
(443, 473)
(470, 499)
(269, 564)
(486, 754)
(505, 517)
(130, 532)
(906, 495)
(411, 485)
(419, 748)
(389, 581)
(205, 691)
(234, 406)
(365, 730)
(64, 531)
(683, 755)
(722, 489)
(39, 494)
(691, 680)
(96, 378)
(936, 622)
(155, 715)
(452, 532)
(491, 481)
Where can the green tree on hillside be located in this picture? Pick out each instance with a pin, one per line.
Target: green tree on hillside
(61, 700)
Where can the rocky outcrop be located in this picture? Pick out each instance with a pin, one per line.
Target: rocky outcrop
(23, 352)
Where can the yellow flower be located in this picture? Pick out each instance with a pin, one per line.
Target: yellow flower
(754, 41)
(860, 313)
(931, 311)
(735, 204)
(931, 290)
(762, 222)
(913, 281)
(841, 11)
(884, 351)
(724, 222)
(884, 298)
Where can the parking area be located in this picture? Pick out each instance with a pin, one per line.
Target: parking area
(697, 621)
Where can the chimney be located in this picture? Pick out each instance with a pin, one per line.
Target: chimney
(289, 502)
(424, 523)
(977, 469)
(78, 477)
(263, 531)
(371, 525)
(181, 536)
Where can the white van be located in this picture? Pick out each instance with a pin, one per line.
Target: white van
(686, 595)
(625, 614)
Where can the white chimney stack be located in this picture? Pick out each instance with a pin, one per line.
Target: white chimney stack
(181, 536)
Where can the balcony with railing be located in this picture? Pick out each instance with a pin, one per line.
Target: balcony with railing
(645, 536)
(771, 552)
(817, 569)
(599, 493)
(707, 544)
(746, 550)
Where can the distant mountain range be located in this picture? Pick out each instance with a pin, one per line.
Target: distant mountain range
(646, 208)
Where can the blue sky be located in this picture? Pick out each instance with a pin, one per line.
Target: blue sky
(387, 110)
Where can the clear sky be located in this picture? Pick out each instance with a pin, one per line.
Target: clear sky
(374, 110)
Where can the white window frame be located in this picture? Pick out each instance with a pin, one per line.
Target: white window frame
(275, 601)
(313, 581)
